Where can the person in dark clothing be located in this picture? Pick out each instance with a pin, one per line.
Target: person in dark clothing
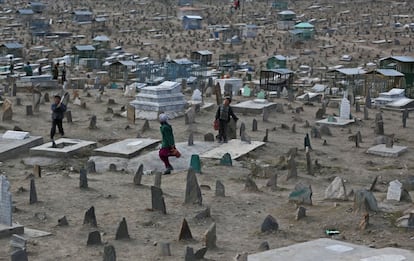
(223, 114)
(58, 110)
(55, 71)
(64, 73)
(168, 142)
(28, 69)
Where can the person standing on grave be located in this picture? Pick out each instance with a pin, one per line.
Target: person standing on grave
(28, 69)
(11, 67)
(168, 143)
(58, 110)
(55, 71)
(64, 73)
(223, 114)
(40, 69)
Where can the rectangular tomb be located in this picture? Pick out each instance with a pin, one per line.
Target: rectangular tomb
(10, 148)
(64, 147)
(127, 148)
(337, 121)
(253, 106)
(236, 148)
(382, 150)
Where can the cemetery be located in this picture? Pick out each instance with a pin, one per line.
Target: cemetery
(317, 163)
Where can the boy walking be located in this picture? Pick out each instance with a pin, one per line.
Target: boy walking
(58, 110)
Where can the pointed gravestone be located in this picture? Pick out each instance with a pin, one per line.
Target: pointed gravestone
(336, 190)
(90, 166)
(109, 253)
(33, 194)
(366, 116)
(192, 190)
(90, 218)
(157, 179)
(364, 201)
(138, 175)
(269, 224)
(146, 126)
(254, 125)
(300, 213)
(5, 202)
(220, 190)
(302, 194)
(185, 232)
(92, 123)
(63, 221)
(307, 141)
(210, 237)
(122, 231)
(157, 200)
(199, 254)
(292, 168)
(203, 214)
(209, 137)
(191, 139)
(242, 128)
(379, 124)
(226, 160)
(7, 114)
(250, 185)
(19, 255)
(83, 178)
(404, 118)
(272, 182)
(94, 238)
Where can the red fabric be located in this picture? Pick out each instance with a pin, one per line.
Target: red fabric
(216, 125)
(164, 153)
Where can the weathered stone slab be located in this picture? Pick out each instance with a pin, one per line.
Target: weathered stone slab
(64, 147)
(384, 151)
(235, 147)
(9, 148)
(127, 148)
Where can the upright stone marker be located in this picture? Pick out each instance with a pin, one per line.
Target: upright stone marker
(157, 179)
(254, 125)
(5, 202)
(29, 110)
(33, 194)
(195, 163)
(92, 123)
(379, 124)
(185, 232)
(292, 168)
(90, 166)
(122, 231)
(192, 190)
(83, 178)
(394, 190)
(191, 139)
(242, 128)
(90, 217)
(131, 114)
(220, 190)
(138, 175)
(209, 137)
(37, 171)
(157, 200)
(94, 238)
(109, 253)
(366, 113)
(210, 237)
(226, 160)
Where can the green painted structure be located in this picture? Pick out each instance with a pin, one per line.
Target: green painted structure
(276, 62)
(405, 65)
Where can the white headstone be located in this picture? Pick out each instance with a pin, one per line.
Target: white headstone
(77, 101)
(394, 190)
(16, 135)
(336, 190)
(5, 202)
(196, 95)
(345, 110)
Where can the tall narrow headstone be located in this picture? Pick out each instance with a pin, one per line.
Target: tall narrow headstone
(292, 168)
(83, 178)
(131, 114)
(357, 106)
(404, 118)
(157, 200)
(90, 218)
(109, 253)
(5, 202)
(192, 190)
(210, 237)
(345, 109)
(185, 232)
(37, 171)
(379, 124)
(309, 168)
(138, 175)
(366, 116)
(90, 166)
(272, 182)
(368, 100)
(36, 101)
(232, 129)
(266, 137)
(68, 116)
(242, 128)
(33, 194)
(220, 190)
(254, 125)
(266, 114)
(191, 139)
(18, 101)
(195, 163)
(122, 231)
(217, 92)
(92, 123)
(394, 191)
(307, 142)
(7, 114)
(164, 249)
(29, 110)
(250, 185)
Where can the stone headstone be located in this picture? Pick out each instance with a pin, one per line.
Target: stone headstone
(357, 107)
(131, 114)
(189, 254)
(192, 190)
(111, 101)
(29, 110)
(83, 178)
(404, 118)
(109, 253)
(302, 194)
(319, 114)
(294, 128)
(209, 137)
(185, 232)
(33, 194)
(46, 97)
(315, 133)
(5, 202)
(164, 249)
(94, 238)
(220, 190)
(208, 91)
(389, 141)
(68, 116)
(345, 109)
(63, 221)
(18, 101)
(266, 137)
(394, 190)
(226, 160)
(112, 167)
(272, 182)
(232, 129)
(90, 218)
(379, 124)
(92, 123)
(307, 142)
(189, 116)
(37, 171)
(7, 114)
(195, 163)
(254, 125)
(157, 179)
(250, 185)
(309, 168)
(122, 230)
(366, 113)
(264, 246)
(90, 166)
(36, 101)
(191, 139)
(336, 190)
(19, 255)
(157, 200)
(365, 201)
(300, 213)
(242, 128)
(199, 254)
(269, 224)
(138, 175)
(146, 126)
(266, 114)
(217, 92)
(324, 130)
(292, 168)
(210, 237)
(246, 138)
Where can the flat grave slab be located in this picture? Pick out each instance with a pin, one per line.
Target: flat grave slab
(382, 150)
(252, 106)
(127, 148)
(9, 148)
(65, 147)
(325, 249)
(339, 122)
(235, 147)
(6, 231)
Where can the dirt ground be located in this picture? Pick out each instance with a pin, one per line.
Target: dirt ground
(238, 216)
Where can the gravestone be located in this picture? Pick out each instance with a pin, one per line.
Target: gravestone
(336, 190)
(112, 167)
(92, 123)
(246, 138)
(266, 114)
(364, 201)
(191, 139)
(185, 232)
(226, 160)
(345, 109)
(203, 214)
(394, 191)
(379, 124)
(250, 185)
(33, 194)
(199, 254)
(307, 141)
(109, 253)
(7, 113)
(37, 171)
(302, 194)
(324, 130)
(272, 182)
(19, 255)
(164, 249)
(14, 90)
(29, 110)
(111, 101)
(157, 179)
(208, 92)
(146, 126)
(389, 141)
(189, 116)
(131, 114)
(157, 200)
(90, 218)
(209, 137)
(269, 224)
(63, 221)
(232, 129)
(217, 92)
(220, 190)
(242, 128)
(122, 231)
(210, 237)
(83, 178)
(315, 133)
(68, 116)
(300, 213)
(254, 125)
(192, 190)
(368, 100)
(195, 163)
(18, 101)
(36, 101)
(46, 97)
(266, 137)
(309, 168)
(357, 106)
(292, 168)
(404, 118)
(5, 202)
(138, 175)
(189, 254)
(264, 246)
(94, 238)
(90, 166)
(294, 128)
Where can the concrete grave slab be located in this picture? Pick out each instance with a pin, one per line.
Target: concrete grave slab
(9, 148)
(34, 233)
(382, 150)
(65, 147)
(127, 148)
(253, 106)
(325, 249)
(338, 122)
(235, 147)
(6, 231)
(16, 135)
